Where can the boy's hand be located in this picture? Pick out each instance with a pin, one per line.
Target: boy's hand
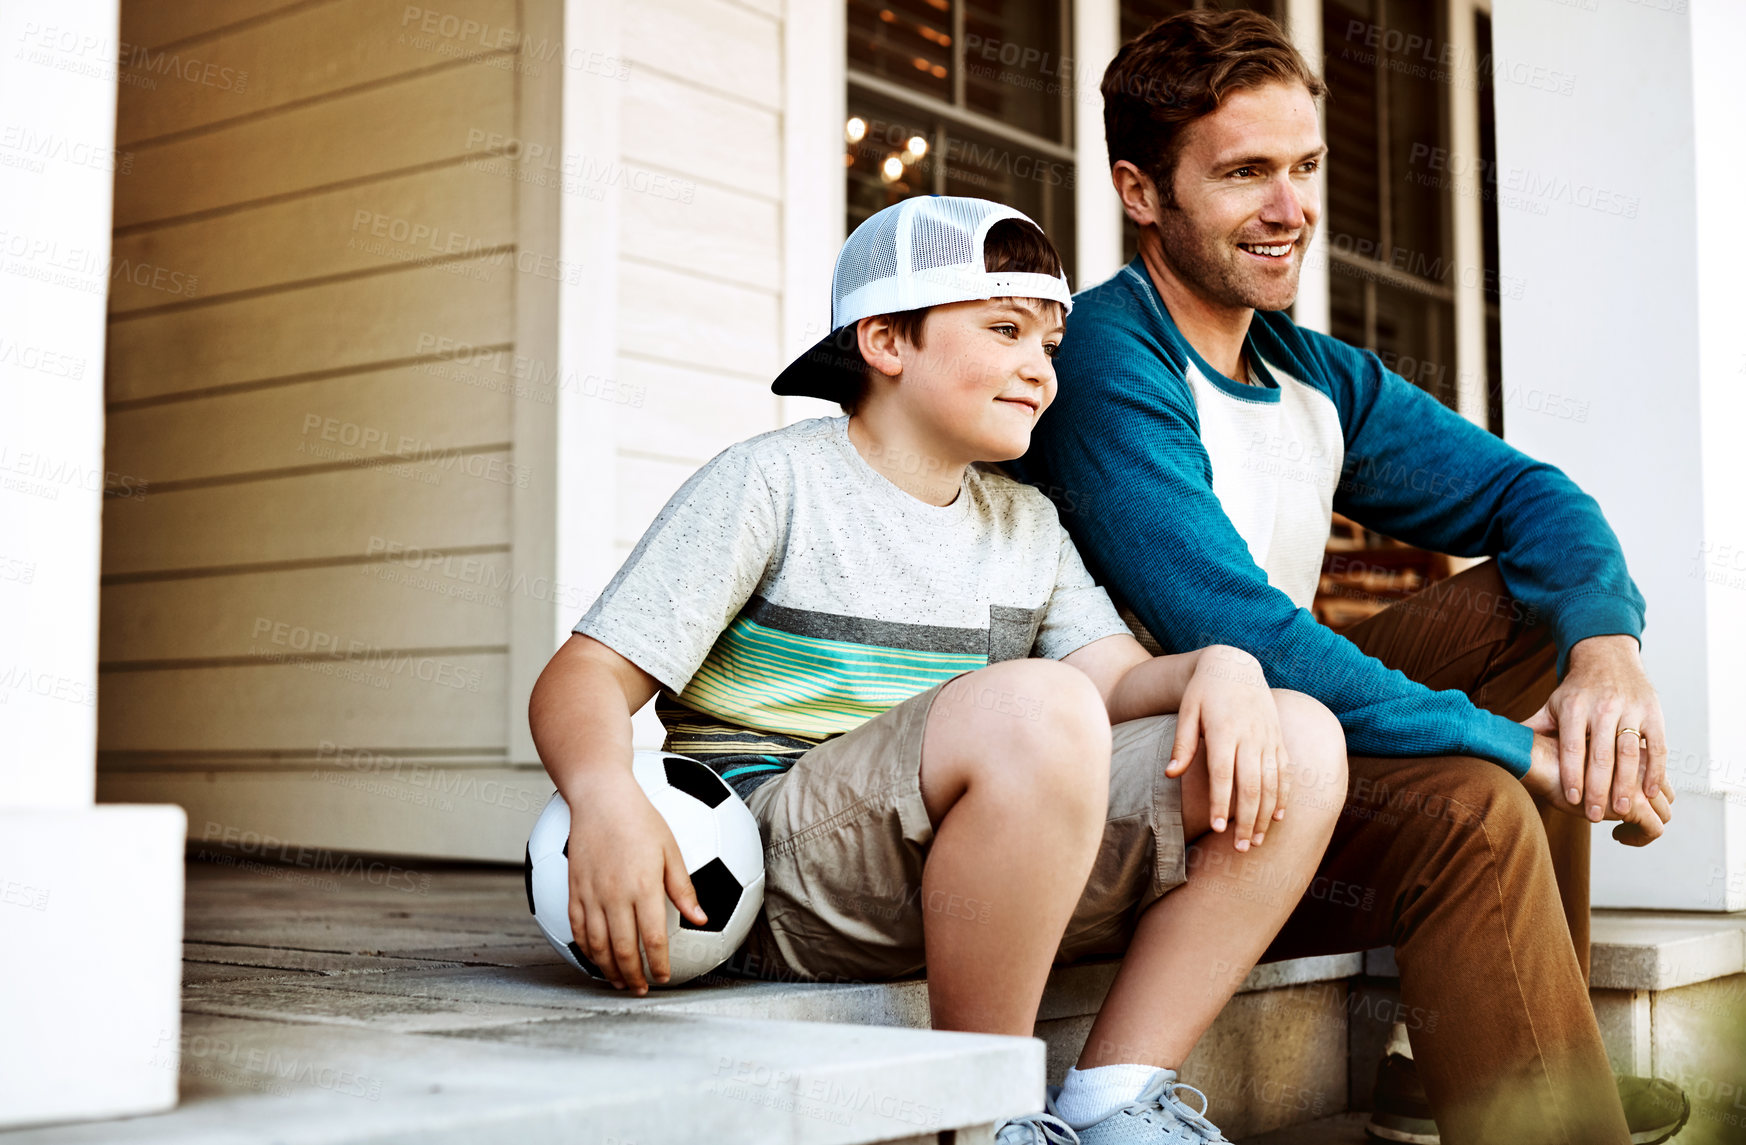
(1228, 703)
(624, 865)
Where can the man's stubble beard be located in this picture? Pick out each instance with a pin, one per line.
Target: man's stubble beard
(1196, 260)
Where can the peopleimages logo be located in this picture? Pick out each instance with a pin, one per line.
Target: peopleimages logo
(334, 439)
(577, 168)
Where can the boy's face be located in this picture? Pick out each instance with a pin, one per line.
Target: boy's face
(982, 376)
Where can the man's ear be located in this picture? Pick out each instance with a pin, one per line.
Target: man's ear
(879, 341)
(1138, 193)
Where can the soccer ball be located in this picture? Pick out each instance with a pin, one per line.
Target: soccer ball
(718, 839)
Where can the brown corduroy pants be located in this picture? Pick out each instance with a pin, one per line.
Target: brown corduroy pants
(1482, 893)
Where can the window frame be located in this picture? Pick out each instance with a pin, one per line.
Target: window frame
(1057, 200)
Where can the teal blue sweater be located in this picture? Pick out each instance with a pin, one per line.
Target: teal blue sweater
(1122, 446)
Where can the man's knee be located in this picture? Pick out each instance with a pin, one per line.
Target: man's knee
(1482, 804)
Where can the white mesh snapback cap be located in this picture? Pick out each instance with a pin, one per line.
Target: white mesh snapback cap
(924, 251)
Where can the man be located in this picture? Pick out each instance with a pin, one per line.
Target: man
(1201, 444)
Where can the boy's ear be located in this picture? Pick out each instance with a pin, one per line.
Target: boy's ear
(879, 339)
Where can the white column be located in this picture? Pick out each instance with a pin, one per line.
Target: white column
(1620, 164)
(585, 437)
(1097, 28)
(1303, 22)
(1469, 216)
(1718, 27)
(814, 191)
(90, 897)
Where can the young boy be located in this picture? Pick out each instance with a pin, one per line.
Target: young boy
(896, 657)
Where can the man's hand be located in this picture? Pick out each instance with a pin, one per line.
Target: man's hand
(1639, 825)
(1227, 701)
(1601, 772)
(624, 865)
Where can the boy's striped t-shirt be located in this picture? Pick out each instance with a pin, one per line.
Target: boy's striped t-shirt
(790, 592)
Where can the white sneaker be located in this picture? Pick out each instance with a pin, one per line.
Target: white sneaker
(1156, 1117)
(1042, 1128)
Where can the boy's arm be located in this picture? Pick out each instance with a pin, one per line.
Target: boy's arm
(652, 626)
(1220, 694)
(580, 713)
(624, 861)
(1155, 689)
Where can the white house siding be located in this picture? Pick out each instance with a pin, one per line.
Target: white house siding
(722, 223)
(684, 223)
(316, 209)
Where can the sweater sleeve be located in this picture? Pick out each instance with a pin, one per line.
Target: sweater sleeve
(1418, 471)
(1123, 446)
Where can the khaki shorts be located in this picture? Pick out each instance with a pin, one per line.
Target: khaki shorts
(845, 835)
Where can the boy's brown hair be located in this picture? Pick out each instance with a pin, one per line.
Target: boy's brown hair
(1181, 69)
(1014, 246)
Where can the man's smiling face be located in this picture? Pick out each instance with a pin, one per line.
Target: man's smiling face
(1246, 199)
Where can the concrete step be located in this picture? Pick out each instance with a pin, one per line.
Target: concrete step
(1276, 1056)
(367, 1014)
(620, 1078)
(465, 954)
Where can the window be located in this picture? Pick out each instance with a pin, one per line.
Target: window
(1138, 15)
(962, 97)
(1387, 226)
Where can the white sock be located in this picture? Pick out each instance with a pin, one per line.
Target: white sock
(1090, 1095)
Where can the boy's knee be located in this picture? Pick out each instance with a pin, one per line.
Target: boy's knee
(1313, 735)
(1072, 722)
(1040, 699)
(1037, 720)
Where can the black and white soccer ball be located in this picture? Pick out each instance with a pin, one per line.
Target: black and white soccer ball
(718, 839)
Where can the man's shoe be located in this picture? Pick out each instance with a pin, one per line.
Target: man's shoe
(1157, 1117)
(1655, 1108)
(1035, 1129)
(1400, 1111)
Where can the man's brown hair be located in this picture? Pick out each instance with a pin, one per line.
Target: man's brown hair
(1182, 68)
(1012, 246)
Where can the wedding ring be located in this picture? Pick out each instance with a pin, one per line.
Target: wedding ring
(1641, 738)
